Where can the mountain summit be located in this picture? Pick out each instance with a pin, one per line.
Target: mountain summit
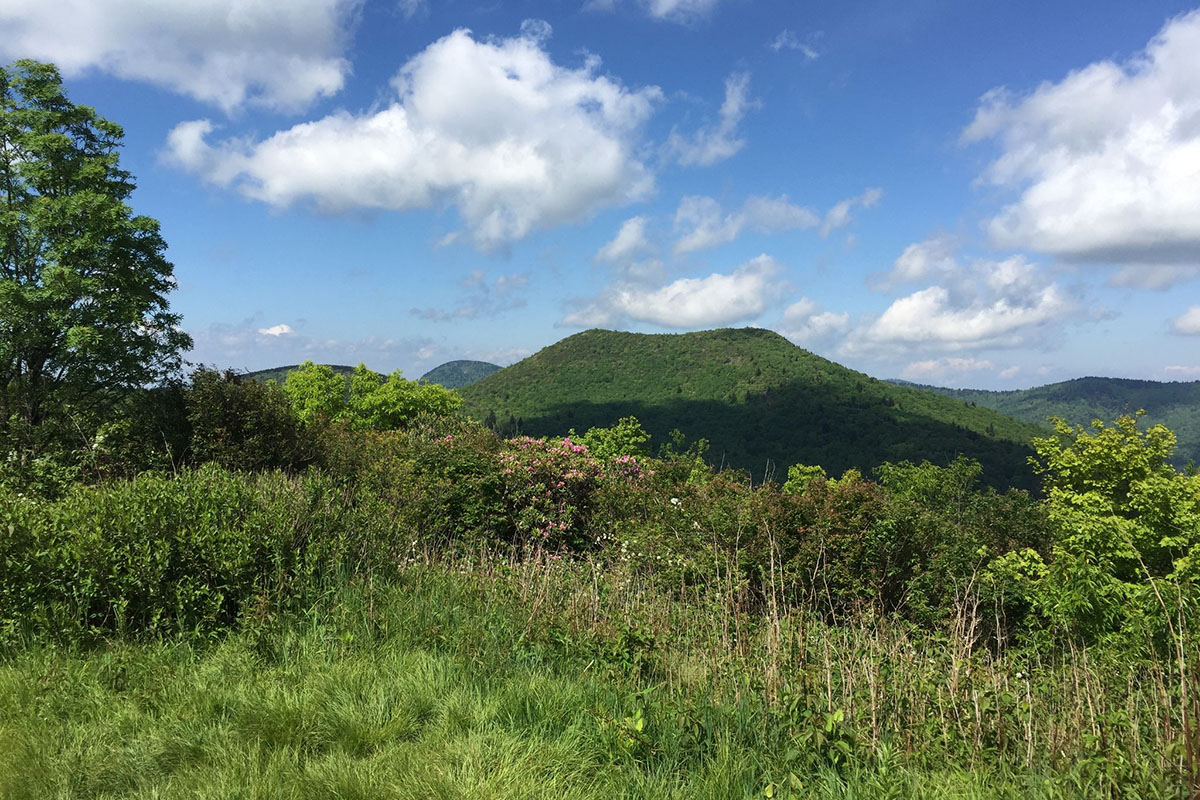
(762, 402)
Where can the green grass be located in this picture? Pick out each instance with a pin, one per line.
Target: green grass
(525, 680)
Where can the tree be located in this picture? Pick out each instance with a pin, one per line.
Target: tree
(367, 401)
(83, 282)
(316, 392)
(1126, 528)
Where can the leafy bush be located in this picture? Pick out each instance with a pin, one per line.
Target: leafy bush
(161, 555)
(242, 424)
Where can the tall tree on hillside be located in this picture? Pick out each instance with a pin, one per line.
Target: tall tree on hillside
(83, 282)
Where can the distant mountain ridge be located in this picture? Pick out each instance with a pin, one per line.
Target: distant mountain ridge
(754, 395)
(456, 374)
(279, 374)
(1079, 401)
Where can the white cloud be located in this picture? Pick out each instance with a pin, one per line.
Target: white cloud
(943, 368)
(806, 324)
(1185, 371)
(930, 259)
(1107, 160)
(1188, 322)
(718, 142)
(718, 299)
(931, 316)
(493, 128)
(840, 215)
(277, 330)
(787, 40)
(974, 304)
(705, 225)
(277, 53)
(629, 243)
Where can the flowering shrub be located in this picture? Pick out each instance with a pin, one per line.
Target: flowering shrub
(551, 488)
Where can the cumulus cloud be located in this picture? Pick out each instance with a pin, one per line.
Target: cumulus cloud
(806, 323)
(841, 214)
(944, 368)
(630, 242)
(971, 304)
(277, 53)
(704, 224)
(1183, 371)
(1107, 160)
(493, 128)
(713, 143)
(482, 298)
(933, 258)
(932, 316)
(1188, 322)
(718, 299)
(787, 40)
(277, 330)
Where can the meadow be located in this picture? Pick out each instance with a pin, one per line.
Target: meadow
(439, 612)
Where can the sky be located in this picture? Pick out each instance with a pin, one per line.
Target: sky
(964, 193)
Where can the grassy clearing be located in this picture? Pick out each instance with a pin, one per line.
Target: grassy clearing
(524, 680)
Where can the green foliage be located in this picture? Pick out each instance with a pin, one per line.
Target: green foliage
(387, 404)
(799, 476)
(626, 438)
(316, 392)
(370, 401)
(83, 282)
(758, 399)
(173, 555)
(242, 424)
(1127, 524)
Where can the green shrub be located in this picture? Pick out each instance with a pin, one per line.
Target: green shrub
(166, 555)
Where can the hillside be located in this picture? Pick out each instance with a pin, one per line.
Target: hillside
(456, 374)
(279, 374)
(1079, 401)
(762, 402)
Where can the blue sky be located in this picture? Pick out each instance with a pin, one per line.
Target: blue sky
(977, 194)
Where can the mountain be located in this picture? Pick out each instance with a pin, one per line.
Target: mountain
(762, 403)
(1079, 401)
(279, 374)
(456, 374)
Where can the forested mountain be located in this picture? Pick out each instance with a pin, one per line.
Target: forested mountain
(279, 374)
(456, 374)
(1079, 401)
(762, 402)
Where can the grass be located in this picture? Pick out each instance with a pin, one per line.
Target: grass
(488, 679)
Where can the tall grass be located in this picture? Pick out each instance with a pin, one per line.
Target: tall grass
(522, 678)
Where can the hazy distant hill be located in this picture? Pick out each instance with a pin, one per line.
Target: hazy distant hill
(456, 374)
(758, 399)
(279, 374)
(1079, 401)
